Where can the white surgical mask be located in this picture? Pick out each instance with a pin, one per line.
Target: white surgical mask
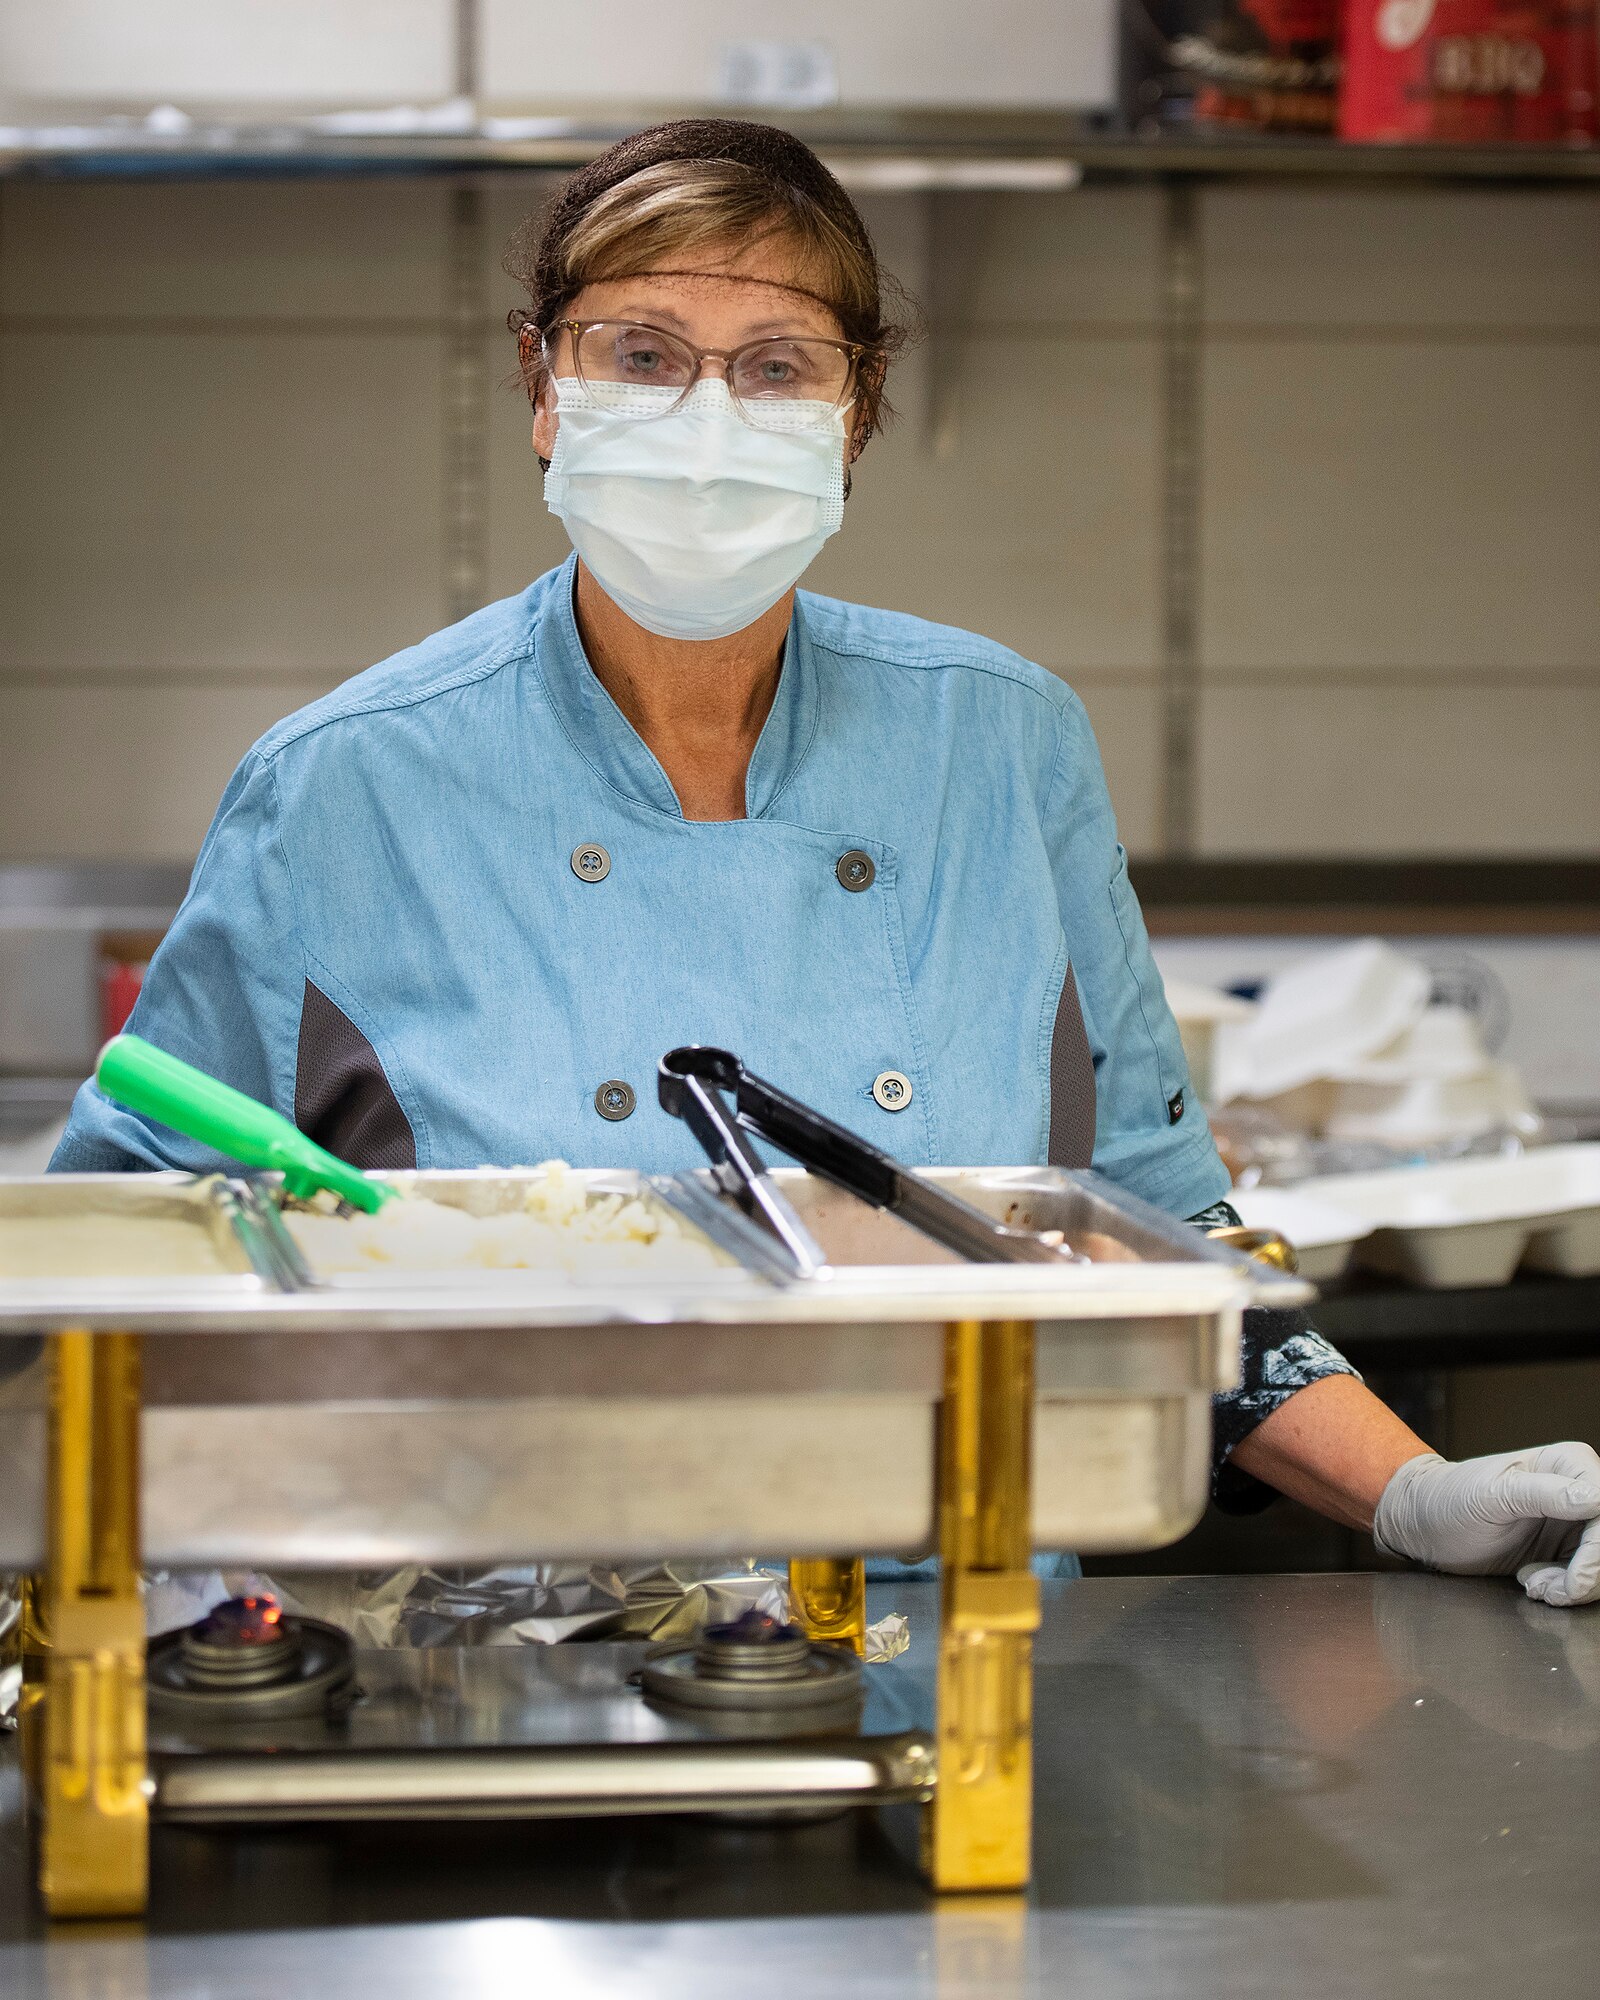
(694, 522)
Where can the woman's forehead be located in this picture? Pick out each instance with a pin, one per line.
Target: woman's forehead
(716, 298)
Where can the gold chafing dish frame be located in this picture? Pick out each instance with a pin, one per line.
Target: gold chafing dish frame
(990, 1350)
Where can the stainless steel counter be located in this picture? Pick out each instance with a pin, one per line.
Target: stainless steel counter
(1363, 1786)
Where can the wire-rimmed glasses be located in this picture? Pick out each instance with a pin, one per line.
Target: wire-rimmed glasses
(781, 382)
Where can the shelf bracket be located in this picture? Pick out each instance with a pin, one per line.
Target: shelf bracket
(466, 405)
(1181, 308)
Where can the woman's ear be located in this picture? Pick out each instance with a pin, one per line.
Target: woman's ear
(545, 420)
(541, 394)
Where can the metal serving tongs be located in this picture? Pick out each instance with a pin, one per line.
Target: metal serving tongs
(690, 1084)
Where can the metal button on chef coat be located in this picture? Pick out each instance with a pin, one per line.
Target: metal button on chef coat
(892, 1089)
(591, 863)
(856, 871)
(615, 1099)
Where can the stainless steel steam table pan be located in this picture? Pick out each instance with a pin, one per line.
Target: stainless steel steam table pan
(514, 1415)
(155, 1241)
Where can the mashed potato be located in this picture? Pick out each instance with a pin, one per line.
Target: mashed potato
(559, 1226)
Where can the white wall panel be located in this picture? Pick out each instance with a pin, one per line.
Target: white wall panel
(224, 251)
(1050, 259)
(220, 501)
(1398, 259)
(1415, 504)
(90, 773)
(147, 52)
(1374, 770)
(1040, 52)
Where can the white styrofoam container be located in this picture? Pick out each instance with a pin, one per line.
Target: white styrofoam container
(1317, 1018)
(1475, 1222)
(1422, 1109)
(1324, 1235)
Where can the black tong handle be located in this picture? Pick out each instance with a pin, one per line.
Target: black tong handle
(688, 1084)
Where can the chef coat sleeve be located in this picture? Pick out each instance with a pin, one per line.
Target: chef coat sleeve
(223, 991)
(1151, 1135)
(1283, 1354)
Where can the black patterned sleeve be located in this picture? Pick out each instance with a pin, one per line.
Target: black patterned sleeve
(1283, 1354)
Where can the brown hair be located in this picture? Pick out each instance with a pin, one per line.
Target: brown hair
(697, 181)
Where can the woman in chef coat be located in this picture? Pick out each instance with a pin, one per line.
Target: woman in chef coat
(455, 912)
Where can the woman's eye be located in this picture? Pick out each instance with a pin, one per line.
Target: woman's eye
(775, 368)
(643, 360)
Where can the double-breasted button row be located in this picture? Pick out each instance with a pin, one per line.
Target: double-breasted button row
(615, 1100)
(855, 869)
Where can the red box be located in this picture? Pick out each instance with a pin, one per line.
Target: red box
(1470, 72)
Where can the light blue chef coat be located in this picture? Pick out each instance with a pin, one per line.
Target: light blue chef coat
(386, 930)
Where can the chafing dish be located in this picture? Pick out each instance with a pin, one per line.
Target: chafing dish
(898, 1400)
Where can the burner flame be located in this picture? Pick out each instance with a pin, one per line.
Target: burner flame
(243, 1621)
(755, 1628)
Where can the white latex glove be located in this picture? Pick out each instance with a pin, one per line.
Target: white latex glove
(1535, 1512)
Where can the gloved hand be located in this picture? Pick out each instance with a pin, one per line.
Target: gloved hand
(1535, 1512)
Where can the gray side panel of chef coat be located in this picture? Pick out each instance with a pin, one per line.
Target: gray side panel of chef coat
(1072, 1108)
(342, 1098)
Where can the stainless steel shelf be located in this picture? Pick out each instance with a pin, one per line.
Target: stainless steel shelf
(1019, 153)
(1333, 159)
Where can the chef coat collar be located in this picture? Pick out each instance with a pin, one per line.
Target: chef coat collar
(605, 736)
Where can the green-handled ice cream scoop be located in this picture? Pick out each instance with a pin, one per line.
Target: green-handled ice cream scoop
(135, 1073)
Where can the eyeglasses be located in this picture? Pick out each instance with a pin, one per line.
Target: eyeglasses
(782, 383)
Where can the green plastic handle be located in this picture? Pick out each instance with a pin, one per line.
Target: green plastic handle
(137, 1074)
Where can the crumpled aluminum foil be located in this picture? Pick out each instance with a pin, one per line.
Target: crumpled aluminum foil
(537, 1604)
(10, 1658)
(886, 1639)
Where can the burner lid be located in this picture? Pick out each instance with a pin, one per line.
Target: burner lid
(248, 1656)
(754, 1662)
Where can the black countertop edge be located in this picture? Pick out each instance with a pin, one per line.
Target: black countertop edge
(1533, 1319)
(1402, 882)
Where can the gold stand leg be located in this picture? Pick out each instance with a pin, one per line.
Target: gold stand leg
(978, 1830)
(828, 1598)
(94, 1839)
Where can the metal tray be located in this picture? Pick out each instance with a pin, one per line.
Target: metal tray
(725, 1417)
(162, 1236)
(884, 1271)
(485, 1192)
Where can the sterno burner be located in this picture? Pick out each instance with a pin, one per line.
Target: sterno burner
(247, 1658)
(754, 1663)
